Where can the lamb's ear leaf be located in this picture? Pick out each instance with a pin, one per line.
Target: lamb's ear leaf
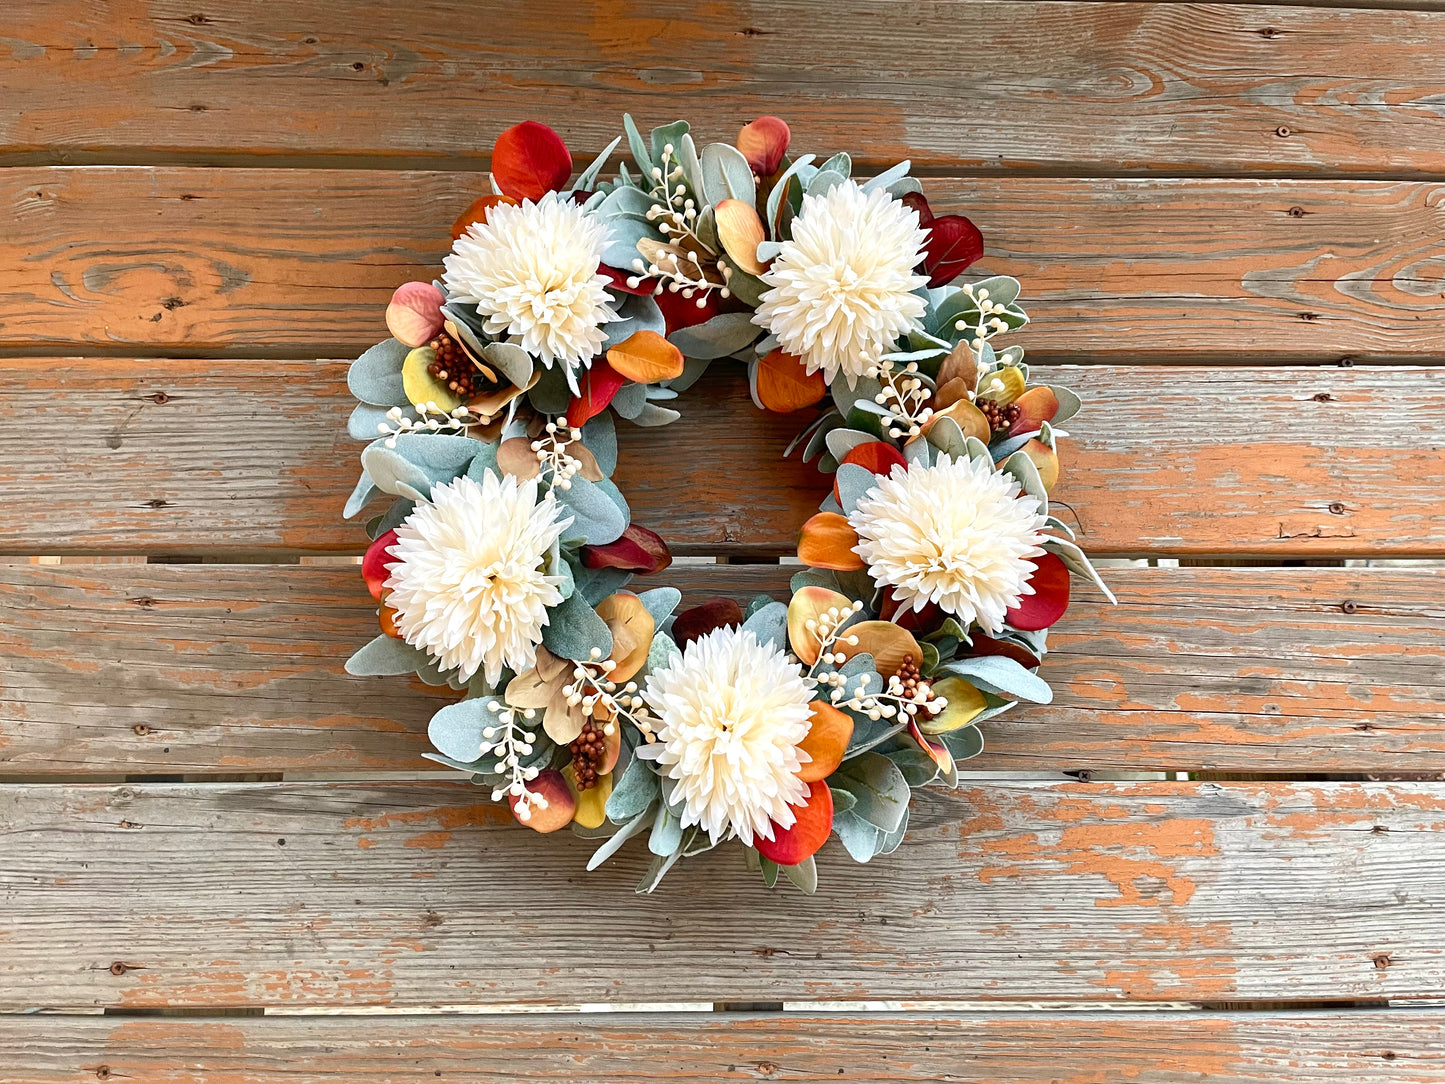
(1001, 675)
(633, 793)
(418, 462)
(456, 730)
(574, 630)
(360, 496)
(385, 656)
(364, 421)
(375, 377)
(617, 839)
(596, 518)
(853, 483)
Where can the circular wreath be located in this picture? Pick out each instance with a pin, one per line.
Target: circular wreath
(932, 571)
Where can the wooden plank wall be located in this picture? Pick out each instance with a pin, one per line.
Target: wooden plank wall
(1227, 219)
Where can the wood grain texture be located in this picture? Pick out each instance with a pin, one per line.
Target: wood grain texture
(421, 894)
(196, 669)
(1067, 86)
(1401, 1046)
(304, 261)
(209, 457)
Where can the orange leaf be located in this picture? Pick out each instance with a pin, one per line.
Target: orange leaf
(808, 604)
(646, 357)
(886, 642)
(741, 232)
(876, 456)
(827, 542)
(826, 742)
(477, 212)
(784, 384)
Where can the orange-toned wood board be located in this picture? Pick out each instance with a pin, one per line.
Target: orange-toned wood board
(204, 668)
(1359, 1047)
(208, 457)
(1066, 86)
(303, 262)
(354, 894)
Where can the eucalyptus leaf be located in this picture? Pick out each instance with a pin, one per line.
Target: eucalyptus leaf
(780, 191)
(589, 175)
(361, 495)
(637, 312)
(725, 174)
(692, 370)
(600, 437)
(391, 518)
(629, 400)
(550, 395)
(804, 875)
(724, 334)
(963, 743)
(1022, 468)
(1069, 404)
(574, 630)
(841, 441)
(854, 482)
(662, 135)
(666, 835)
(860, 839)
(651, 415)
(880, 787)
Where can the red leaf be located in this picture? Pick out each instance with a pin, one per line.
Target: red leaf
(599, 385)
(638, 550)
(877, 456)
(953, 243)
(1050, 599)
(919, 202)
(619, 281)
(715, 613)
(681, 312)
(814, 824)
(763, 143)
(915, 621)
(377, 562)
(529, 160)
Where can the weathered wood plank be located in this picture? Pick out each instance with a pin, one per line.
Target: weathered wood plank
(304, 261)
(156, 669)
(215, 457)
(1079, 86)
(418, 894)
(1400, 1046)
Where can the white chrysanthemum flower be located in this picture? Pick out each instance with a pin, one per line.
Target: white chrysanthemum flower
(731, 713)
(958, 533)
(842, 287)
(531, 270)
(469, 586)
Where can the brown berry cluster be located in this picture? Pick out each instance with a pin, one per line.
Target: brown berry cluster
(588, 752)
(909, 674)
(454, 368)
(999, 417)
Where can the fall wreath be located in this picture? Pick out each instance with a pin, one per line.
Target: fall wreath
(932, 571)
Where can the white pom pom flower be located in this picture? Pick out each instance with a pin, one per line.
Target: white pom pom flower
(469, 585)
(731, 713)
(957, 533)
(532, 272)
(842, 287)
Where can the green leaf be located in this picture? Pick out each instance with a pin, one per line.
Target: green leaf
(770, 625)
(1069, 404)
(596, 519)
(770, 871)
(854, 482)
(804, 875)
(375, 377)
(1078, 563)
(965, 742)
(550, 394)
(621, 836)
(574, 630)
(634, 792)
(637, 313)
(589, 175)
(860, 838)
(1022, 468)
(385, 656)
(456, 730)
(364, 421)
(724, 334)
(629, 400)
(361, 496)
(600, 437)
(880, 787)
(651, 415)
(890, 841)
(640, 152)
(666, 834)
(726, 175)
(660, 603)
(418, 462)
(664, 134)
(917, 767)
(999, 674)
